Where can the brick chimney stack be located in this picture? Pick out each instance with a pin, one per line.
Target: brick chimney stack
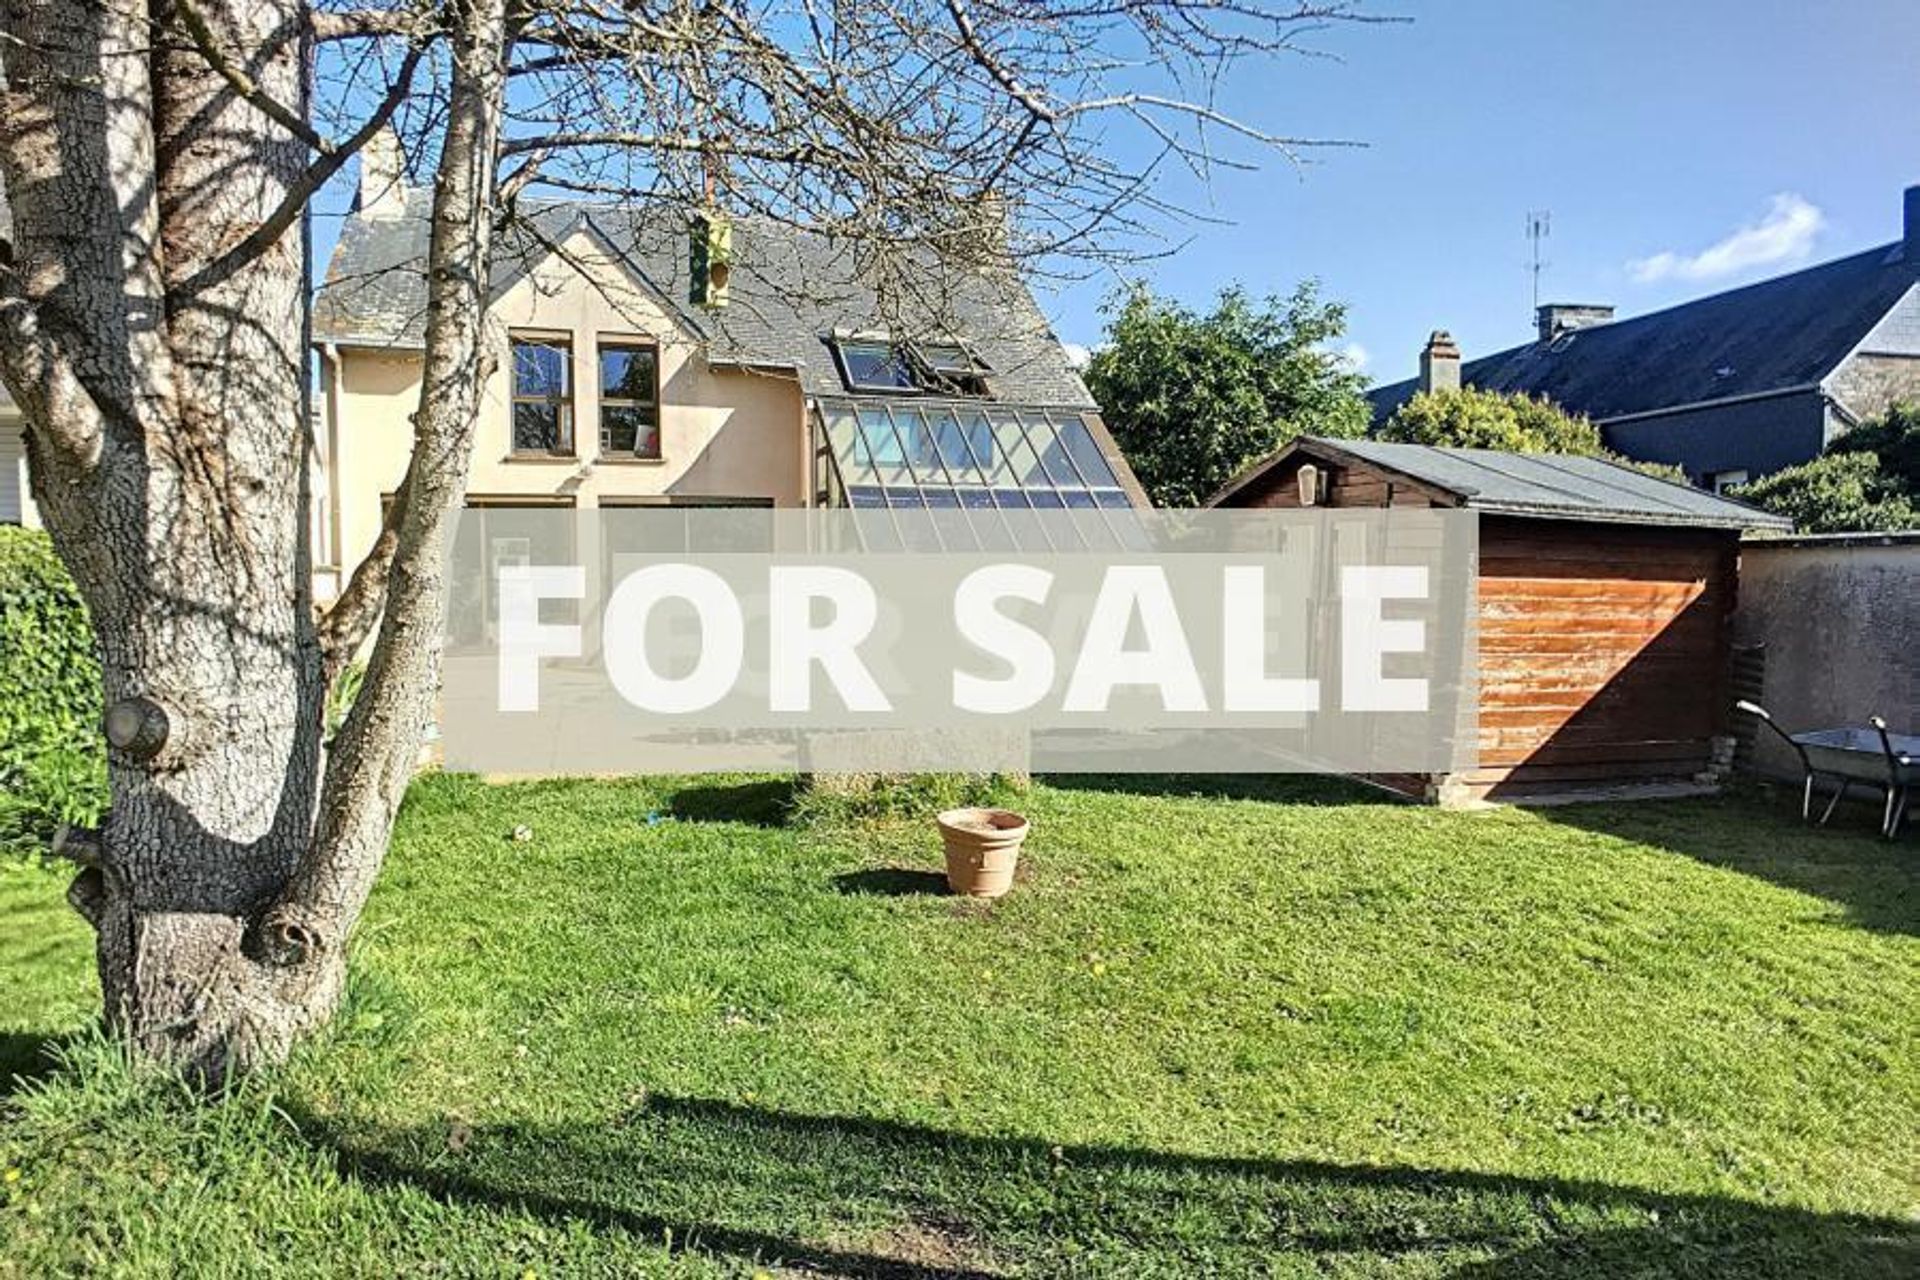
(1440, 363)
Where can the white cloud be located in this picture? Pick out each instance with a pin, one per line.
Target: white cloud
(1354, 356)
(1077, 354)
(1786, 234)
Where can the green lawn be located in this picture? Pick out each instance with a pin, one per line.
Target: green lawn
(1228, 1029)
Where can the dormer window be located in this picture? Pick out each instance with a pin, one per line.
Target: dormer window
(874, 366)
(953, 368)
(884, 365)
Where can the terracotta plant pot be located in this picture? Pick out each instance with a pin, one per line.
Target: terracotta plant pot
(983, 847)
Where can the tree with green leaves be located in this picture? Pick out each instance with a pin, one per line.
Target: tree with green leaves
(1193, 398)
(1867, 481)
(1470, 418)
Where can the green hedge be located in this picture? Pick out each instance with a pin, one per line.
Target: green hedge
(52, 759)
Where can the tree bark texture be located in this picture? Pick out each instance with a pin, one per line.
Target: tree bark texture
(161, 376)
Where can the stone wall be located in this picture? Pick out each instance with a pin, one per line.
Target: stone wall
(1831, 630)
(1872, 382)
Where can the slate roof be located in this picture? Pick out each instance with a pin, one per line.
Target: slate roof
(1543, 485)
(1777, 335)
(790, 290)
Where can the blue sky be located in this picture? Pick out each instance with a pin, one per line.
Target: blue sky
(1648, 129)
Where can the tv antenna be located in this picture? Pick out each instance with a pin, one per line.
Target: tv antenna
(1539, 227)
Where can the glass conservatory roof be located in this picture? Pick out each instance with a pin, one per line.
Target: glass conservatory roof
(933, 455)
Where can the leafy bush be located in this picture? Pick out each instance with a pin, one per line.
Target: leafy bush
(1471, 418)
(52, 758)
(342, 695)
(1868, 480)
(1838, 493)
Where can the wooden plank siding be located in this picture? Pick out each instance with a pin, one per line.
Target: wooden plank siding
(1603, 652)
(1603, 647)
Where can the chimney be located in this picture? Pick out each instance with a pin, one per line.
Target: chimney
(1440, 363)
(383, 177)
(1911, 229)
(1563, 317)
(1556, 318)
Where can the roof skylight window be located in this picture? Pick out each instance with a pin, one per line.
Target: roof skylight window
(881, 364)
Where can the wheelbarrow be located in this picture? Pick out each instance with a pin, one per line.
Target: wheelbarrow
(1889, 761)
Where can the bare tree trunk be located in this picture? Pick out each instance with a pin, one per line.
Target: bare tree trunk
(162, 380)
(171, 481)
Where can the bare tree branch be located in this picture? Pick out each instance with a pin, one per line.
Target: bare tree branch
(1019, 92)
(351, 617)
(366, 24)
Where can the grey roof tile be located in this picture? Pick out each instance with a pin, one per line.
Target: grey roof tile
(1544, 485)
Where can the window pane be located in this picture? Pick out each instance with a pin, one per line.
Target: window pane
(1086, 454)
(965, 445)
(1011, 444)
(540, 427)
(539, 369)
(1054, 468)
(845, 434)
(875, 364)
(943, 358)
(629, 429)
(627, 373)
(884, 448)
(616, 432)
(917, 436)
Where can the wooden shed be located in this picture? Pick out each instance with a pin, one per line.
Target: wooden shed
(1605, 601)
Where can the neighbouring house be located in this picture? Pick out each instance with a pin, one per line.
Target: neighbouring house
(1729, 387)
(628, 376)
(16, 504)
(1604, 603)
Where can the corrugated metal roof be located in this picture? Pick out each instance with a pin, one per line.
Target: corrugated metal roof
(790, 291)
(1764, 338)
(1544, 485)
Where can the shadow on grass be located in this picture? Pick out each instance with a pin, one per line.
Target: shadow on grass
(891, 882)
(1756, 830)
(1278, 788)
(856, 1197)
(766, 803)
(28, 1055)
